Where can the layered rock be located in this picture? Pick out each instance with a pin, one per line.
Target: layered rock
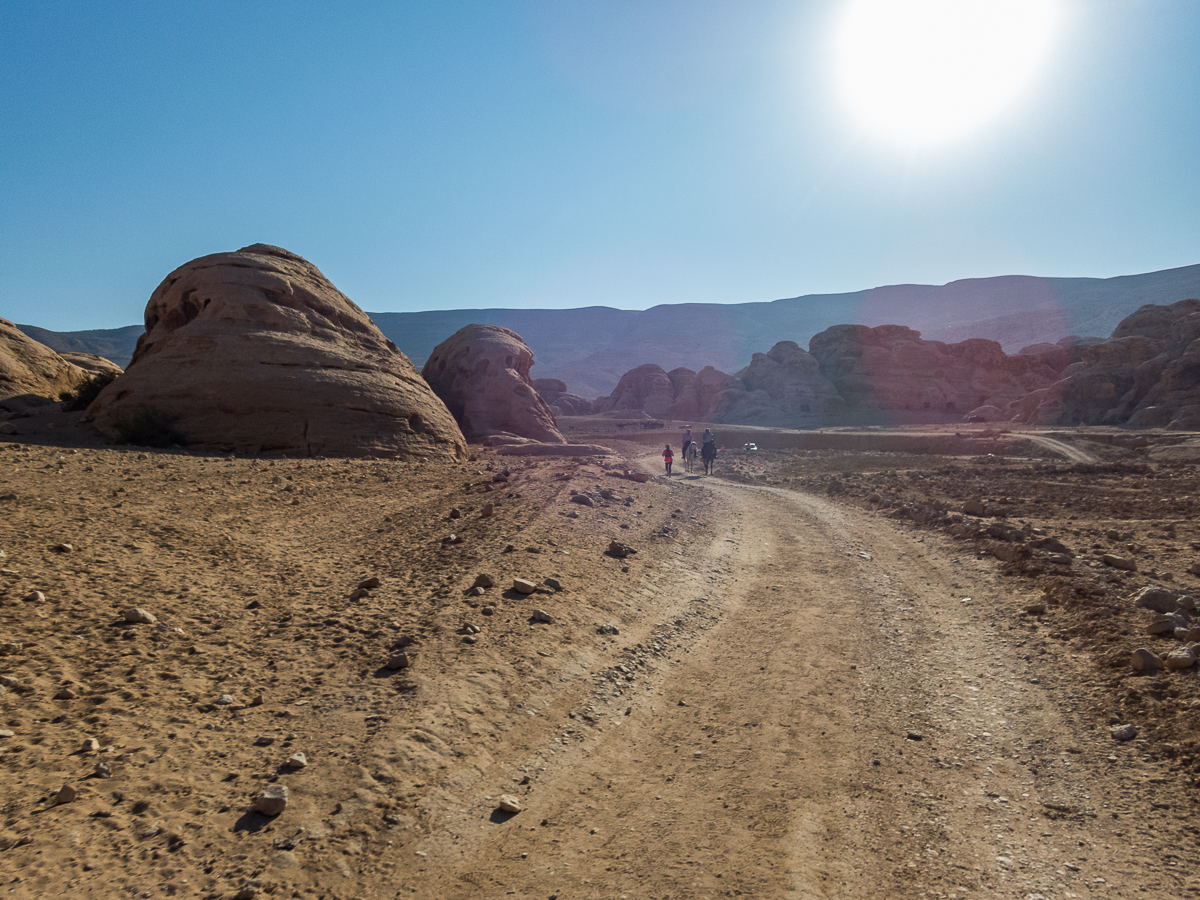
(481, 373)
(30, 371)
(256, 351)
(891, 368)
(1146, 375)
(783, 386)
(91, 363)
(678, 394)
(559, 399)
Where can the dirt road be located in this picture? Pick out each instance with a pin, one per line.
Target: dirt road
(847, 710)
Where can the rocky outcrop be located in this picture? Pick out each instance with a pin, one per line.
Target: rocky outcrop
(1146, 375)
(92, 364)
(891, 368)
(31, 372)
(781, 387)
(481, 373)
(678, 394)
(559, 399)
(256, 351)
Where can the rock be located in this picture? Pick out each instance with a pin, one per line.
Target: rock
(488, 611)
(553, 584)
(264, 740)
(9, 648)
(542, 616)
(1194, 569)
(1187, 602)
(1052, 546)
(974, 507)
(1181, 658)
(509, 804)
(102, 770)
(456, 513)
(1157, 599)
(890, 367)
(65, 694)
(66, 794)
(34, 597)
(522, 586)
(224, 700)
(475, 592)
(481, 373)
(249, 890)
(1036, 608)
(583, 500)
(31, 370)
(139, 616)
(1119, 562)
(62, 548)
(1144, 660)
(359, 594)
(484, 581)
(296, 761)
(398, 660)
(608, 629)
(256, 350)
(369, 584)
(619, 550)
(272, 801)
(1124, 732)
(488, 510)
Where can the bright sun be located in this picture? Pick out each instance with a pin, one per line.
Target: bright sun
(920, 72)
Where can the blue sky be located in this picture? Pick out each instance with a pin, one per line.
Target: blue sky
(560, 153)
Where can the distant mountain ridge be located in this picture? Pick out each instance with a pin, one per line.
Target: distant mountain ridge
(592, 347)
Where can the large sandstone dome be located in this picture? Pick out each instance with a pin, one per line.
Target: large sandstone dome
(256, 351)
(29, 369)
(481, 372)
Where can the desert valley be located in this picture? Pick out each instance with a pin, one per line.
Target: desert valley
(282, 615)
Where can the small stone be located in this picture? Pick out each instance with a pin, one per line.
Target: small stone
(487, 511)
(1157, 599)
(8, 648)
(522, 586)
(1183, 658)
(475, 592)
(296, 761)
(553, 583)
(1144, 660)
(915, 736)
(452, 539)
(487, 611)
(224, 700)
(539, 615)
(264, 740)
(6, 733)
(974, 507)
(257, 701)
(1037, 608)
(66, 794)
(484, 581)
(619, 550)
(34, 597)
(65, 694)
(607, 629)
(272, 801)
(583, 500)
(62, 548)
(249, 890)
(139, 616)
(369, 584)
(397, 661)
(1124, 732)
(509, 804)
(1124, 563)
(456, 513)
(103, 770)
(470, 638)
(359, 594)
(91, 745)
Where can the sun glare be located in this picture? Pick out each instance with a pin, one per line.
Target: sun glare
(921, 72)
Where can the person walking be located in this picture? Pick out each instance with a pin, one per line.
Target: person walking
(668, 458)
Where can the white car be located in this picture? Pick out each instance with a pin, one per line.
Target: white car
(749, 446)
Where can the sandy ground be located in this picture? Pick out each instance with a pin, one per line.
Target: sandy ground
(799, 700)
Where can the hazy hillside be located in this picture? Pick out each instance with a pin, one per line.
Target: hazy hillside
(591, 348)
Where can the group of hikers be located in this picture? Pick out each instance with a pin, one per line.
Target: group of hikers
(708, 449)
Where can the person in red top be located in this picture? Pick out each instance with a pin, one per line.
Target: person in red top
(668, 458)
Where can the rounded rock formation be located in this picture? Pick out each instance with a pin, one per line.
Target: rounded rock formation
(30, 370)
(257, 352)
(481, 373)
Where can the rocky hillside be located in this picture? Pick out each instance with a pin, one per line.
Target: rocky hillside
(590, 349)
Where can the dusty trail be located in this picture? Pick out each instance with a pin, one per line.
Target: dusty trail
(1074, 454)
(849, 727)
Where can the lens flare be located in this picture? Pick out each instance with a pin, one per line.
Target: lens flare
(922, 72)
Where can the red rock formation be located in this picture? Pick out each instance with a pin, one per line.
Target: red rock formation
(256, 351)
(481, 373)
